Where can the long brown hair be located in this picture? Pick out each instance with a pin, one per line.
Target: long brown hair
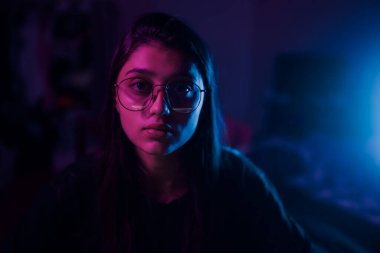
(119, 189)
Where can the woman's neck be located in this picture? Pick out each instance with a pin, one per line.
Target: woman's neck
(164, 177)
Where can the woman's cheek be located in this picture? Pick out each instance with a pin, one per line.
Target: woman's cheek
(129, 125)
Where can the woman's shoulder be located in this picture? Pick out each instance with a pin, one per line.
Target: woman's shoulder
(254, 200)
(244, 182)
(238, 167)
(231, 157)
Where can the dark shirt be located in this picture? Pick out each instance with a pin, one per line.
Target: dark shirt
(241, 214)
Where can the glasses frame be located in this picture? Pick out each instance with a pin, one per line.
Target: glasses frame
(166, 87)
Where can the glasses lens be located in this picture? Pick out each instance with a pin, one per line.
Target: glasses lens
(184, 97)
(135, 93)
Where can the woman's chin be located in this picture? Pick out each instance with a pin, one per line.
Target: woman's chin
(158, 150)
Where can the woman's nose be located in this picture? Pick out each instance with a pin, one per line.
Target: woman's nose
(159, 104)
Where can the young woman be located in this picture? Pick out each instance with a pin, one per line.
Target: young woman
(163, 182)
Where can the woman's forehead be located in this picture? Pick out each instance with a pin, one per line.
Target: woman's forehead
(155, 60)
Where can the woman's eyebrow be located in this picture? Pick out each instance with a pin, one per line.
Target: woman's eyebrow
(151, 73)
(139, 71)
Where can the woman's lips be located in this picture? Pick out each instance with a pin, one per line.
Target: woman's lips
(158, 130)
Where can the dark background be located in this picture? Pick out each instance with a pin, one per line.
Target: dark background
(299, 88)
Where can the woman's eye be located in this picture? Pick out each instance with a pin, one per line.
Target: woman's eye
(182, 87)
(140, 86)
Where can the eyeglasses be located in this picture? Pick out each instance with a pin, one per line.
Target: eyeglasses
(136, 94)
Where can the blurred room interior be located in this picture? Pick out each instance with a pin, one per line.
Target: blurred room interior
(299, 85)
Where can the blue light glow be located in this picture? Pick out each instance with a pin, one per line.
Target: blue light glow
(375, 143)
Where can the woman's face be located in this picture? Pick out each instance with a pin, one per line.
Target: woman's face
(157, 130)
